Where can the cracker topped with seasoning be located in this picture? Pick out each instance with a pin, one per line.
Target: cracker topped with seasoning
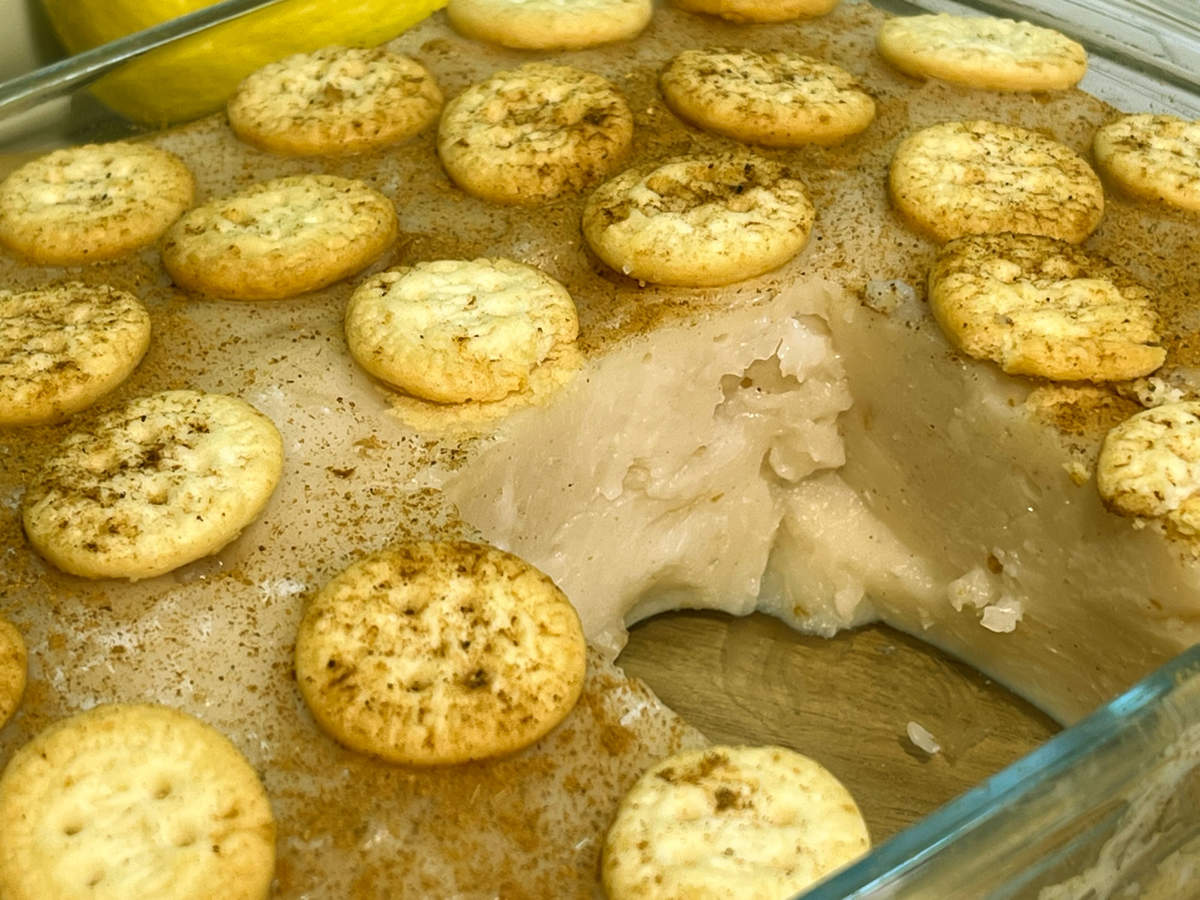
(280, 238)
(452, 331)
(1149, 466)
(130, 801)
(1155, 157)
(776, 98)
(532, 134)
(982, 52)
(731, 822)
(1040, 306)
(982, 177)
(92, 203)
(334, 101)
(435, 653)
(549, 24)
(699, 221)
(156, 483)
(64, 346)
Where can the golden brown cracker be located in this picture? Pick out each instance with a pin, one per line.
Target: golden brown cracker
(434, 653)
(453, 331)
(334, 101)
(158, 482)
(133, 800)
(64, 346)
(94, 202)
(1040, 306)
(982, 177)
(775, 98)
(532, 134)
(280, 238)
(699, 221)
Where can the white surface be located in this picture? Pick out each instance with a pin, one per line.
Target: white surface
(19, 51)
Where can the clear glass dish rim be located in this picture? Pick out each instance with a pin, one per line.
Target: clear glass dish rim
(891, 863)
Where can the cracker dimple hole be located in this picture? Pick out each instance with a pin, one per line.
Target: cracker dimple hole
(95, 878)
(185, 838)
(162, 790)
(72, 828)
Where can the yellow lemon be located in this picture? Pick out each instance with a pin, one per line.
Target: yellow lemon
(196, 75)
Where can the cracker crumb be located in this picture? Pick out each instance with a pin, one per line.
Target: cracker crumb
(922, 739)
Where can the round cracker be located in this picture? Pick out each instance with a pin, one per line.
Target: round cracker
(154, 484)
(699, 221)
(334, 101)
(534, 133)
(92, 203)
(981, 177)
(777, 98)
(1157, 157)
(759, 10)
(1149, 466)
(440, 653)
(1040, 306)
(549, 24)
(13, 664)
(982, 52)
(459, 330)
(731, 822)
(280, 238)
(64, 347)
(133, 800)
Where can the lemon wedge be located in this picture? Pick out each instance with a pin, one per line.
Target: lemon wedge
(196, 75)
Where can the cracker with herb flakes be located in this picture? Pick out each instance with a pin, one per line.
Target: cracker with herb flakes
(1040, 306)
(731, 822)
(982, 177)
(436, 653)
(156, 483)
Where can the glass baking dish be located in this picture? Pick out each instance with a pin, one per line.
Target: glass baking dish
(1108, 807)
